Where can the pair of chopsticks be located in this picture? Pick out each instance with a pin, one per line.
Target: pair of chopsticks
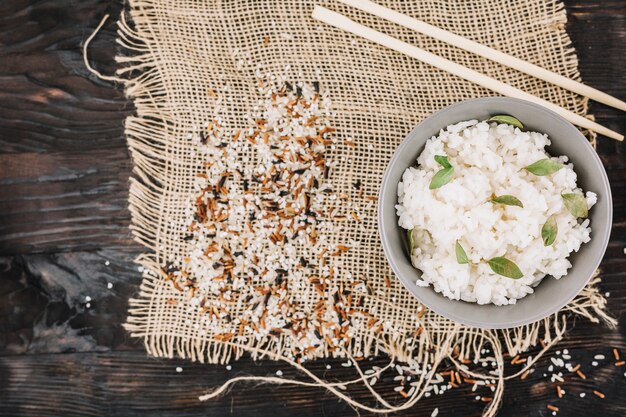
(342, 22)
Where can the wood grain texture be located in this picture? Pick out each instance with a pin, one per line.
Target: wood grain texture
(44, 307)
(49, 101)
(64, 172)
(64, 201)
(131, 384)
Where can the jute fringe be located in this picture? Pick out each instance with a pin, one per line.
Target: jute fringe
(175, 50)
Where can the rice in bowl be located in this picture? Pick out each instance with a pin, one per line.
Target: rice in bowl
(480, 182)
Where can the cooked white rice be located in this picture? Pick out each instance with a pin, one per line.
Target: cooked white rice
(488, 159)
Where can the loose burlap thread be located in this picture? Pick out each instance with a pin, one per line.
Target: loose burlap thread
(177, 51)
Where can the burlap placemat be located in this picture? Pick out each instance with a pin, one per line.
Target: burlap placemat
(187, 61)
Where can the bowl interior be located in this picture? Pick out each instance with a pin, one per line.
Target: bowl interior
(551, 294)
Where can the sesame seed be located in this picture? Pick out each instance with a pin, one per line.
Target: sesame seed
(179, 369)
(109, 285)
(279, 373)
(107, 263)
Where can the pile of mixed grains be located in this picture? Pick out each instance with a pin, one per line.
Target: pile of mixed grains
(260, 224)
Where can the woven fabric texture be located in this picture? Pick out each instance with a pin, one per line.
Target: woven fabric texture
(177, 53)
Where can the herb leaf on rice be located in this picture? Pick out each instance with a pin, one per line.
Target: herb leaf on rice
(549, 231)
(505, 267)
(507, 200)
(506, 119)
(443, 161)
(411, 241)
(461, 256)
(443, 176)
(576, 204)
(544, 167)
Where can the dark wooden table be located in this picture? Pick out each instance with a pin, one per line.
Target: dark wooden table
(64, 236)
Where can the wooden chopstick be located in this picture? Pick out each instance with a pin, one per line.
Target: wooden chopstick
(342, 22)
(486, 52)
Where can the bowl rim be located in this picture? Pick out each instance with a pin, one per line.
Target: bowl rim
(606, 190)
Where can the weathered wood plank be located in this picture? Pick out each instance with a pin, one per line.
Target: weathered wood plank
(130, 384)
(597, 30)
(64, 201)
(48, 99)
(43, 304)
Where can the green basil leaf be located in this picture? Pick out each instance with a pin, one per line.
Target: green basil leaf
(507, 200)
(442, 177)
(411, 240)
(443, 161)
(549, 231)
(576, 204)
(544, 167)
(506, 119)
(461, 256)
(504, 267)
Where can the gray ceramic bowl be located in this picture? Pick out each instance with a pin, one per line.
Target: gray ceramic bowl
(551, 294)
